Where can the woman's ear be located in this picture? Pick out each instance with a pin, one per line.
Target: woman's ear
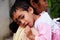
(30, 10)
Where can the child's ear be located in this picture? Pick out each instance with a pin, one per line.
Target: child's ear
(30, 10)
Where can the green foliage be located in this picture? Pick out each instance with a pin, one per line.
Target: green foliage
(49, 3)
(54, 8)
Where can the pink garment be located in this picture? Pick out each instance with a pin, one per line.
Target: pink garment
(42, 24)
(44, 32)
(56, 34)
(47, 29)
(59, 24)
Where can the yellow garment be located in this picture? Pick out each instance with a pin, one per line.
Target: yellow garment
(20, 35)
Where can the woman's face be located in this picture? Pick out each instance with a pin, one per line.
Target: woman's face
(23, 17)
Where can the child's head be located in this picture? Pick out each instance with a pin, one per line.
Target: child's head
(22, 13)
(39, 5)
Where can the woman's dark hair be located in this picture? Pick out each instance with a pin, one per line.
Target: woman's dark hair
(24, 4)
(13, 27)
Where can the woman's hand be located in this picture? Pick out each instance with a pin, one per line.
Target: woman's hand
(28, 33)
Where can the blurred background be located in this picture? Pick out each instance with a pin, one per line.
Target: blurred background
(5, 19)
(54, 11)
(54, 7)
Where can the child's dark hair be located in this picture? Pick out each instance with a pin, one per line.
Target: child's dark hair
(13, 27)
(17, 5)
(22, 4)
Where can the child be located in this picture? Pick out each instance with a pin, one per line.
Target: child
(22, 13)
